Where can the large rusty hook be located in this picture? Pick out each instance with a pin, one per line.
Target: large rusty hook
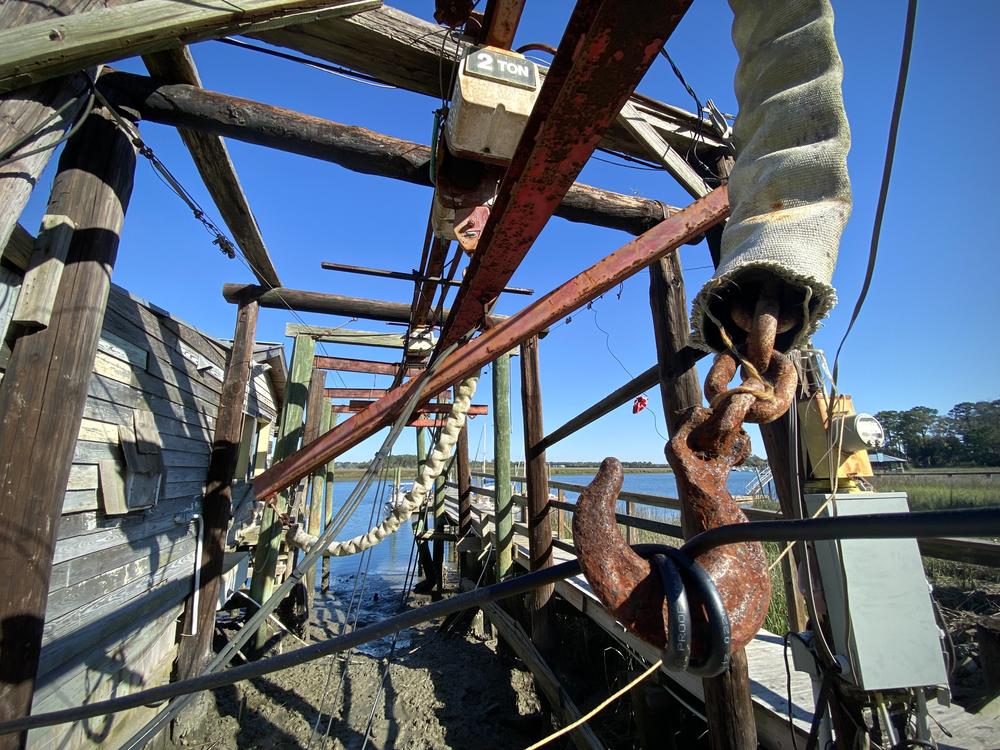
(633, 589)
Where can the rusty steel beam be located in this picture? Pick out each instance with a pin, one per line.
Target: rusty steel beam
(665, 238)
(500, 22)
(431, 423)
(365, 393)
(604, 52)
(345, 364)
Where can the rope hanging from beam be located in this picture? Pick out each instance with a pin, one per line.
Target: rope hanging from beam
(417, 497)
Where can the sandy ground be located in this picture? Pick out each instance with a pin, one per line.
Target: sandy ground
(442, 691)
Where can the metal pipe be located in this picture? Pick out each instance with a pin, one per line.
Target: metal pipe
(198, 545)
(665, 238)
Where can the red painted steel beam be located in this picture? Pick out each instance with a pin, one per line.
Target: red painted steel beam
(366, 393)
(344, 364)
(606, 49)
(475, 410)
(500, 22)
(431, 423)
(664, 238)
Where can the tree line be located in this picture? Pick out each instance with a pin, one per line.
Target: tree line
(968, 435)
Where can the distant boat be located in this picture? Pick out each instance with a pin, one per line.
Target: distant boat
(397, 495)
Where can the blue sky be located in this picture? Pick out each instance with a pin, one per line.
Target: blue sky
(924, 337)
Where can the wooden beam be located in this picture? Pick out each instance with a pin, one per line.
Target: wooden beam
(45, 49)
(536, 472)
(32, 110)
(343, 364)
(211, 157)
(216, 506)
(331, 304)
(265, 559)
(559, 700)
(502, 503)
(661, 151)
(20, 246)
(416, 55)
(354, 148)
(43, 396)
(347, 336)
(728, 703)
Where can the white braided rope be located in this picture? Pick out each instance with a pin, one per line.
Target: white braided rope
(417, 497)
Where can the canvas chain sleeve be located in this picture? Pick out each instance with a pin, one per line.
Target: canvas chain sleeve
(417, 497)
(789, 189)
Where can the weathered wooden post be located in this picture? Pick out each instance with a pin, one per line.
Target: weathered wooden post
(561, 530)
(440, 520)
(216, 507)
(317, 414)
(265, 560)
(324, 581)
(464, 480)
(502, 504)
(43, 394)
(537, 474)
(420, 525)
(728, 705)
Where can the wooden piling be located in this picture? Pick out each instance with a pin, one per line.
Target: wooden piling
(440, 520)
(265, 561)
(503, 505)
(464, 479)
(728, 703)
(424, 558)
(216, 507)
(536, 471)
(324, 580)
(43, 393)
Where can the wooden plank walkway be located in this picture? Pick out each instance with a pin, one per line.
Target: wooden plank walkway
(768, 678)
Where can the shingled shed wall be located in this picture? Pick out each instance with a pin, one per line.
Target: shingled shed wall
(120, 574)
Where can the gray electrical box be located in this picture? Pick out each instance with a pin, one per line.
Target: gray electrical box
(878, 600)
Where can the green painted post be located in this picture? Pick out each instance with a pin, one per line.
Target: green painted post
(265, 561)
(501, 465)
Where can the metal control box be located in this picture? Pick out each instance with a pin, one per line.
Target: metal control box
(494, 93)
(878, 600)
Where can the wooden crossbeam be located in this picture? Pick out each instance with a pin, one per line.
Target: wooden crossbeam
(215, 166)
(354, 148)
(347, 336)
(46, 49)
(344, 364)
(411, 53)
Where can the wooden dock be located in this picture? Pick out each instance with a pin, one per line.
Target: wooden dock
(768, 677)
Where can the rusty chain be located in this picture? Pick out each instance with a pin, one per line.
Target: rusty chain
(697, 611)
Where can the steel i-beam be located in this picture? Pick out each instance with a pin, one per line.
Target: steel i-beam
(469, 358)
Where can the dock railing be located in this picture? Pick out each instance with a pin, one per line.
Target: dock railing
(971, 551)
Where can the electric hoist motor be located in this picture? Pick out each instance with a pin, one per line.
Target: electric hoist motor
(494, 93)
(490, 104)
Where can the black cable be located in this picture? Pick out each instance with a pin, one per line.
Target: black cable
(965, 523)
(820, 710)
(972, 522)
(883, 195)
(326, 67)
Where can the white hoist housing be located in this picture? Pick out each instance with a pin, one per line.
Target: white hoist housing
(493, 96)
